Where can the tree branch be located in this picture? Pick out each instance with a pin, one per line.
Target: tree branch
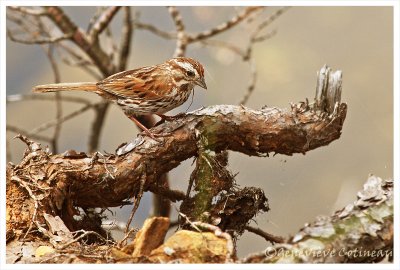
(361, 232)
(102, 22)
(108, 182)
(224, 26)
(93, 50)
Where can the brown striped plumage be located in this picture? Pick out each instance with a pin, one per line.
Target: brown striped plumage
(147, 90)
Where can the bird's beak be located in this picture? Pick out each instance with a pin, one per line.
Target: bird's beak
(201, 82)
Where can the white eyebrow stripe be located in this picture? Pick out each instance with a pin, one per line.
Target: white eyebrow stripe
(186, 66)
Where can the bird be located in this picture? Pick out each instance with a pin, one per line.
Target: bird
(146, 90)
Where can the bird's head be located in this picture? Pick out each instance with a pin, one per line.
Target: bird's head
(187, 70)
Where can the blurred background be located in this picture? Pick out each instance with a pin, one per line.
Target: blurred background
(356, 40)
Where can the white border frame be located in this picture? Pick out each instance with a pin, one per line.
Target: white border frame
(394, 3)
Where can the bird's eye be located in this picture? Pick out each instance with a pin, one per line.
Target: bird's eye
(190, 73)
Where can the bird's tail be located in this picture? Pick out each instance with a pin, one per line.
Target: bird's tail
(82, 86)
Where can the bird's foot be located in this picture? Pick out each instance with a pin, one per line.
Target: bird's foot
(168, 118)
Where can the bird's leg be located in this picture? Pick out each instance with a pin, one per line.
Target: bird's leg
(145, 129)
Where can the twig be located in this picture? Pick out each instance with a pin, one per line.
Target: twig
(94, 51)
(267, 236)
(97, 55)
(38, 41)
(136, 201)
(97, 125)
(126, 39)
(252, 82)
(57, 129)
(224, 26)
(63, 119)
(153, 29)
(29, 11)
(83, 235)
(102, 22)
(28, 134)
(172, 195)
(268, 21)
(225, 45)
(27, 97)
(247, 57)
(80, 61)
(181, 41)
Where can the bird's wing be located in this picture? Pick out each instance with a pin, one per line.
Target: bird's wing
(139, 83)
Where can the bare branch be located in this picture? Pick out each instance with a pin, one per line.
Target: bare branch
(27, 97)
(38, 41)
(252, 82)
(136, 203)
(225, 45)
(57, 79)
(224, 26)
(80, 60)
(153, 29)
(63, 119)
(126, 39)
(181, 41)
(102, 22)
(27, 133)
(267, 22)
(97, 126)
(267, 236)
(28, 11)
(94, 51)
(247, 56)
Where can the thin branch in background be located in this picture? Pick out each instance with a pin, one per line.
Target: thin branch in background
(252, 82)
(57, 79)
(28, 134)
(224, 44)
(29, 11)
(255, 38)
(155, 30)
(224, 26)
(102, 22)
(66, 117)
(27, 97)
(267, 236)
(136, 202)
(181, 40)
(97, 126)
(38, 41)
(94, 19)
(110, 41)
(126, 39)
(44, 32)
(92, 49)
(269, 20)
(79, 61)
(97, 55)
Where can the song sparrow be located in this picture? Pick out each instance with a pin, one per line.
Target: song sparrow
(146, 90)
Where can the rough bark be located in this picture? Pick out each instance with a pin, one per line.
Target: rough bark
(361, 232)
(96, 181)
